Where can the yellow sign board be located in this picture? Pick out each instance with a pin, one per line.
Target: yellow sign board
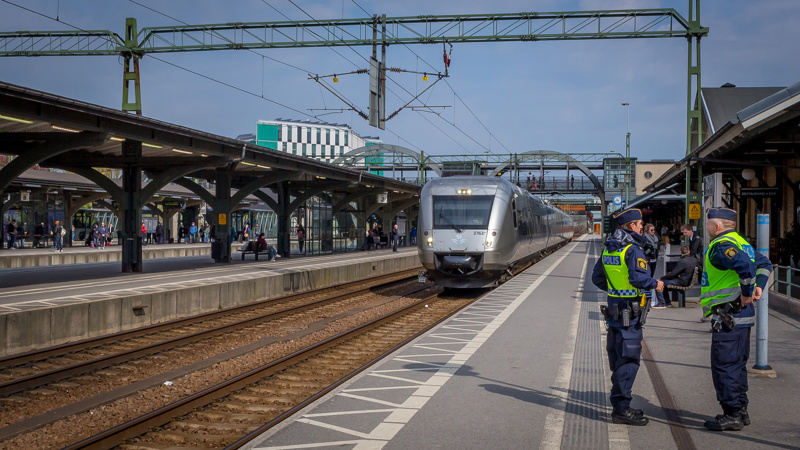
(223, 219)
(694, 211)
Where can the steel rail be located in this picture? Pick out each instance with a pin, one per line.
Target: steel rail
(136, 427)
(34, 380)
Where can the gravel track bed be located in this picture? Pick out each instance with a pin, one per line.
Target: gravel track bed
(80, 426)
(55, 395)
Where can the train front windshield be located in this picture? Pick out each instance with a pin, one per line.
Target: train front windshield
(462, 211)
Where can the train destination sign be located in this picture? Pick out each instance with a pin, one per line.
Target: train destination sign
(759, 192)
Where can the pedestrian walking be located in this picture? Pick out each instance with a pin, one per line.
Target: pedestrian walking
(734, 276)
(413, 235)
(246, 232)
(38, 235)
(623, 273)
(144, 234)
(572, 181)
(160, 233)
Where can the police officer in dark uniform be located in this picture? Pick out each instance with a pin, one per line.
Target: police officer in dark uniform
(734, 276)
(623, 272)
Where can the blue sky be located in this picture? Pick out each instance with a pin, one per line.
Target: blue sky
(559, 96)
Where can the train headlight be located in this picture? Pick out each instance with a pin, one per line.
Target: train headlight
(430, 241)
(491, 238)
(464, 191)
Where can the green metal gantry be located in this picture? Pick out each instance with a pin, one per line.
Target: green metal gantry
(433, 29)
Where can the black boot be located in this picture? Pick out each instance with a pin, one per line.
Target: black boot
(629, 417)
(724, 422)
(745, 416)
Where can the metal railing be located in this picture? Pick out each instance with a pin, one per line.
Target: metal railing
(785, 280)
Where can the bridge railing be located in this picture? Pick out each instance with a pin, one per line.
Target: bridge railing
(582, 184)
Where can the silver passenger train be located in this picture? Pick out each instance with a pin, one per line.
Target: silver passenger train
(473, 230)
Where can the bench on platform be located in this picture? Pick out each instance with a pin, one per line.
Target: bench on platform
(252, 252)
(681, 290)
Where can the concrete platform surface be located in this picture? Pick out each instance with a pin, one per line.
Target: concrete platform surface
(44, 306)
(37, 257)
(525, 367)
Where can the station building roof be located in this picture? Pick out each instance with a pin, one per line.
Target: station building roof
(760, 134)
(30, 119)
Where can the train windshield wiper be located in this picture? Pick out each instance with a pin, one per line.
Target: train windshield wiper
(442, 216)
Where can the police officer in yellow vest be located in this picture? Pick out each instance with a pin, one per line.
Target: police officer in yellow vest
(733, 278)
(623, 272)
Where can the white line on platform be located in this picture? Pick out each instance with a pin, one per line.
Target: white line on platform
(199, 274)
(160, 287)
(554, 422)
(389, 427)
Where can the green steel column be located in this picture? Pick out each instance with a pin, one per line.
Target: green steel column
(693, 37)
(129, 75)
(700, 222)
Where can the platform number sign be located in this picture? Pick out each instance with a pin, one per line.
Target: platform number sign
(383, 198)
(24, 196)
(617, 200)
(223, 219)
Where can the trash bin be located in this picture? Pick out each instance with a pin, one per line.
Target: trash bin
(216, 250)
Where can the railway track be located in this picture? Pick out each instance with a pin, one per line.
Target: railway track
(232, 413)
(45, 375)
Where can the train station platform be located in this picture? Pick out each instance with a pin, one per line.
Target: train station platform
(47, 256)
(525, 367)
(49, 305)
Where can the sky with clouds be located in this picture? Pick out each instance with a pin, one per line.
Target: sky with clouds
(559, 96)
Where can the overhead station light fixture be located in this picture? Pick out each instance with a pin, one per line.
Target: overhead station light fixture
(14, 119)
(263, 166)
(118, 139)
(248, 163)
(185, 152)
(145, 144)
(67, 129)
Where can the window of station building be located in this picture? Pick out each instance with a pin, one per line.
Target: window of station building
(313, 150)
(280, 132)
(294, 148)
(345, 138)
(336, 137)
(296, 133)
(284, 146)
(308, 135)
(328, 136)
(304, 150)
(319, 136)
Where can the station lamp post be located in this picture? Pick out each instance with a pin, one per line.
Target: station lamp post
(628, 174)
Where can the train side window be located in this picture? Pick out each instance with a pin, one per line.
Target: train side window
(514, 212)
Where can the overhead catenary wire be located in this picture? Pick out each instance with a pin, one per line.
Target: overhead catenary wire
(448, 85)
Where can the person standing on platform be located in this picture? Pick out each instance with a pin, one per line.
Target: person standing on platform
(413, 235)
(651, 251)
(395, 237)
(160, 233)
(623, 273)
(95, 236)
(58, 234)
(192, 233)
(301, 237)
(734, 276)
(102, 231)
(11, 232)
(695, 242)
